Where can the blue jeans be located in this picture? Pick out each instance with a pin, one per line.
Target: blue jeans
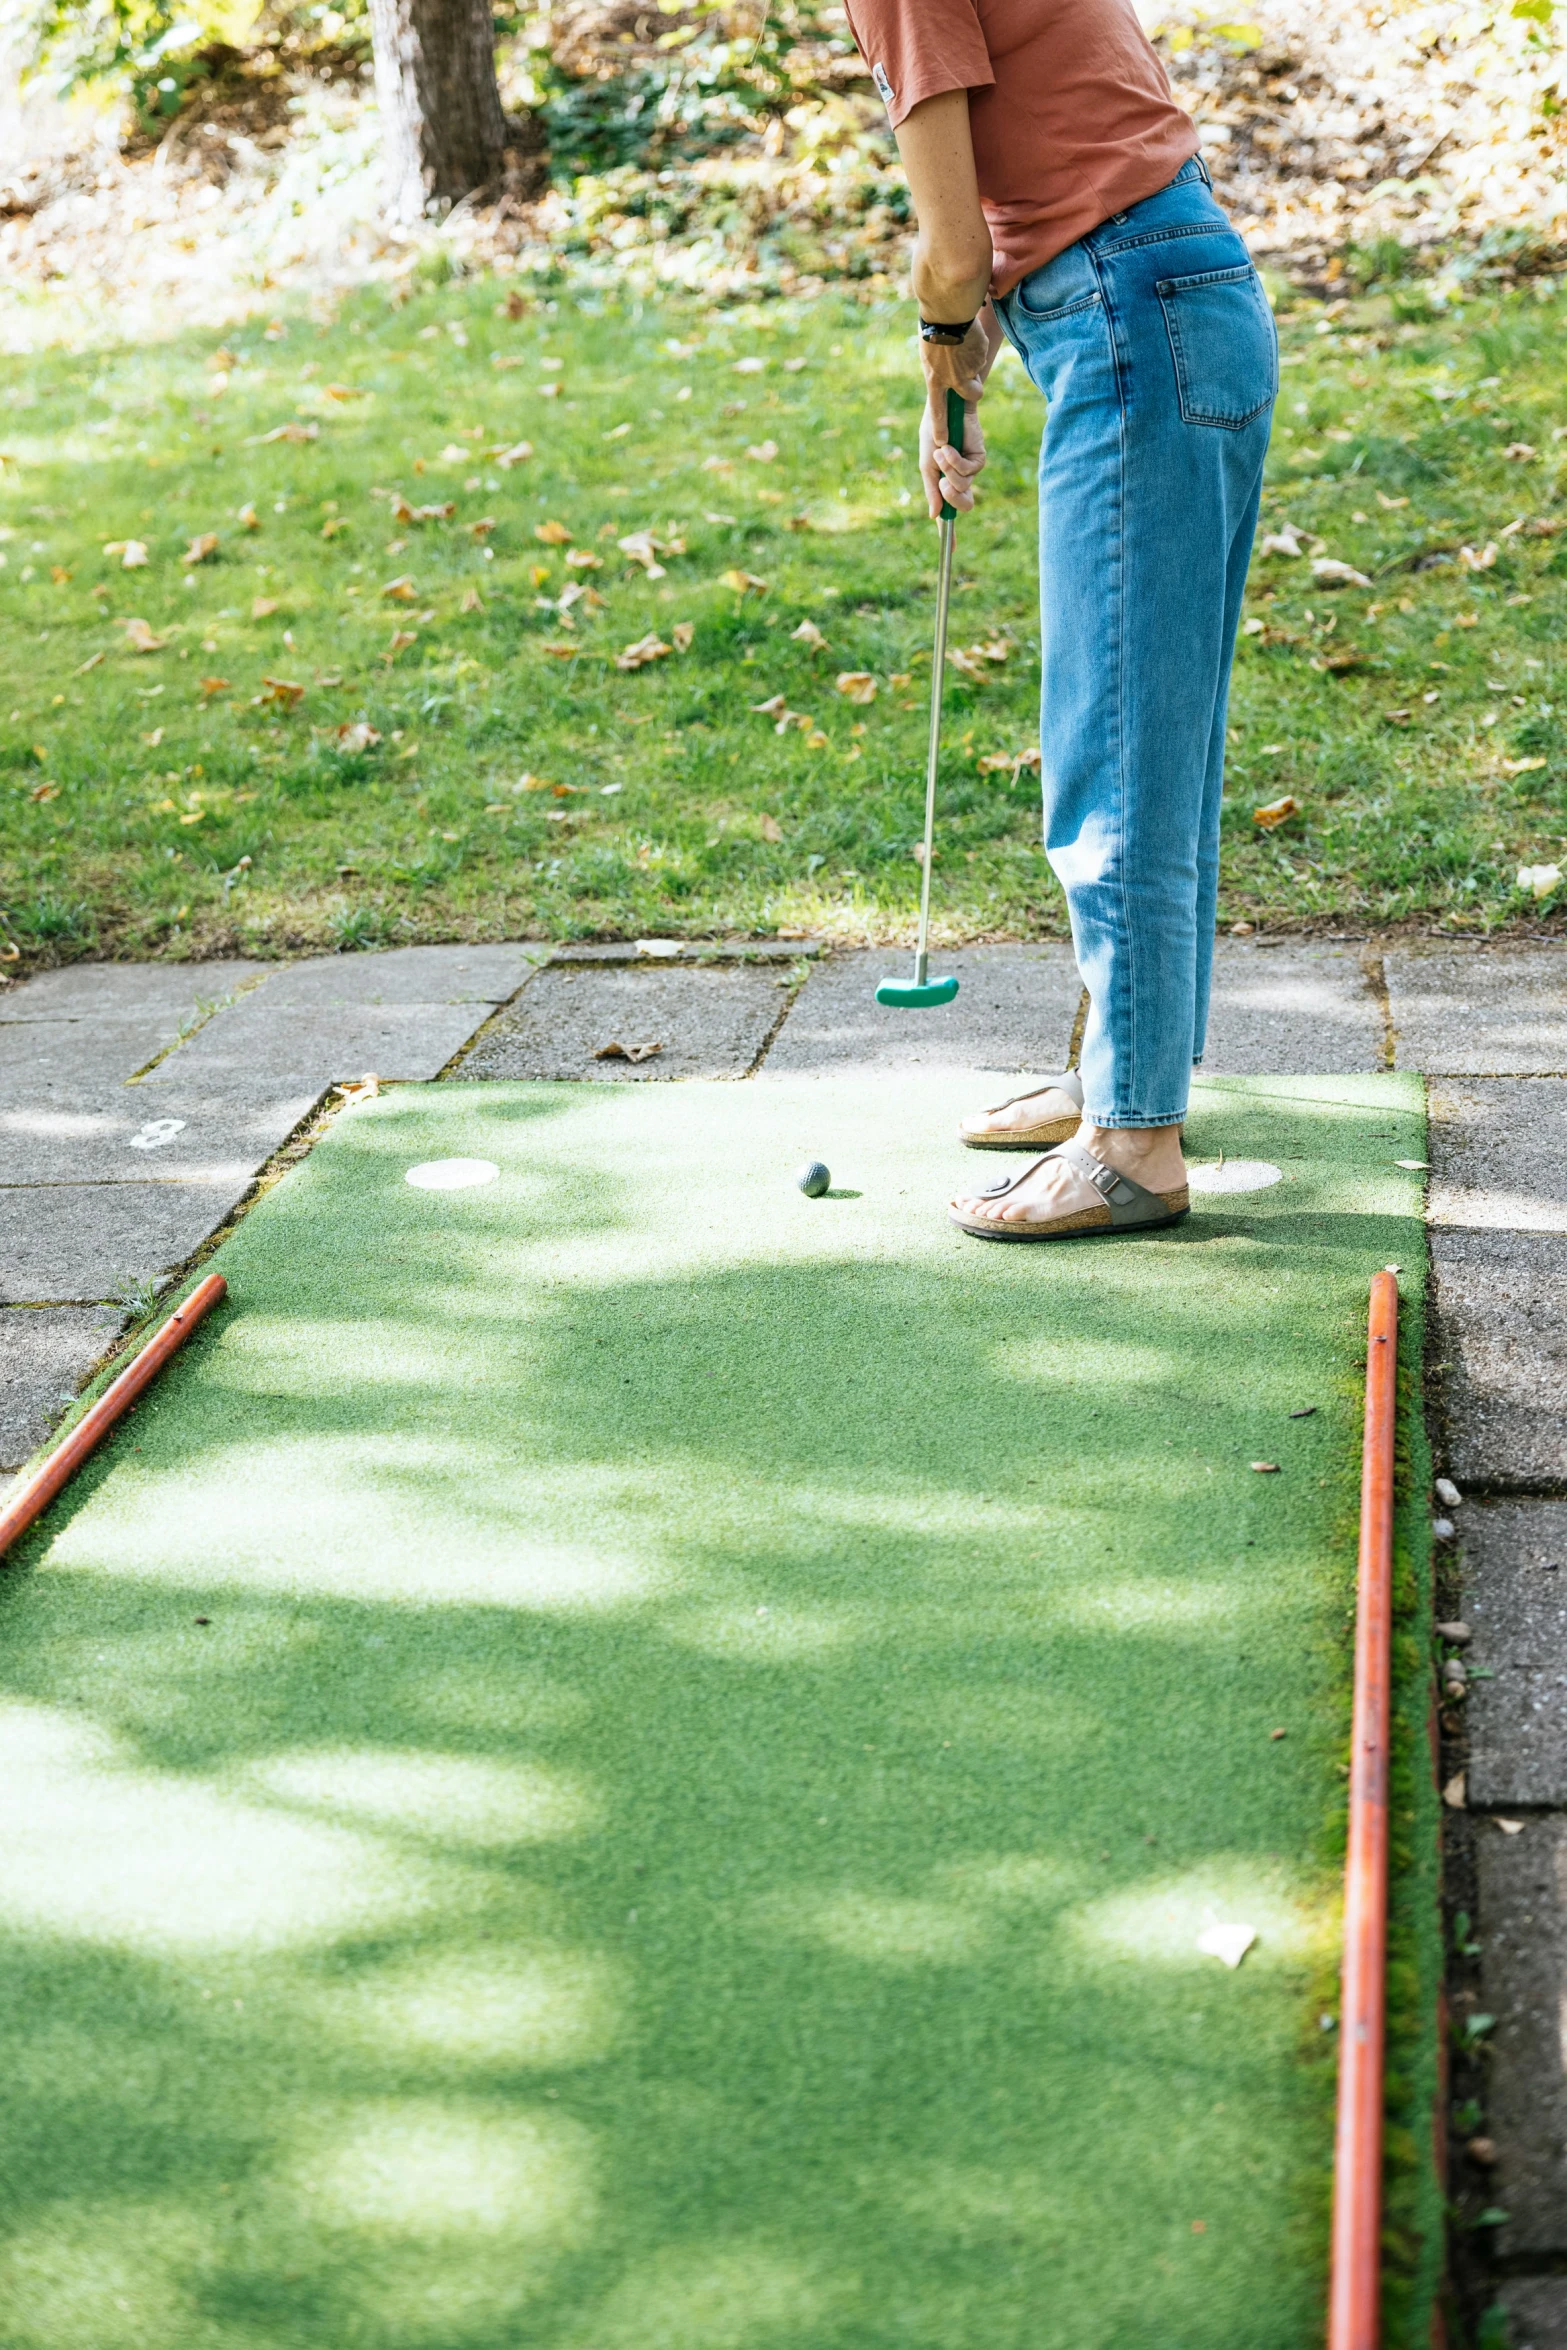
(1153, 344)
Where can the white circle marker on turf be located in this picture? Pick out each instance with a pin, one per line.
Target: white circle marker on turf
(451, 1174)
(1235, 1175)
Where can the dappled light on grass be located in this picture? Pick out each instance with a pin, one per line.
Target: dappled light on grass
(463, 1800)
(99, 1846)
(587, 1775)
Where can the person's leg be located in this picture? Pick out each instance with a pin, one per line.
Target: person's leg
(1152, 344)
(1213, 780)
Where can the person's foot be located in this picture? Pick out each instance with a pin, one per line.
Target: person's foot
(1056, 1194)
(1034, 1121)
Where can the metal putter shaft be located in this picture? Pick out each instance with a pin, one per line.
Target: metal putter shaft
(922, 990)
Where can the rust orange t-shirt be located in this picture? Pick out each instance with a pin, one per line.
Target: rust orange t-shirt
(1071, 110)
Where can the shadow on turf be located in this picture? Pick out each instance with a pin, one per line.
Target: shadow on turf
(818, 1985)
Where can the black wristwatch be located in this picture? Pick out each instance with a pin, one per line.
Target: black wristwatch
(931, 332)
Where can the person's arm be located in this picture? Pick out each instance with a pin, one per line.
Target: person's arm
(950, 274)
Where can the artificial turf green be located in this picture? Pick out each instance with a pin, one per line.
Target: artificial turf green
(722, 1719)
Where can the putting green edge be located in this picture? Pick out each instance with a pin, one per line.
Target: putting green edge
(1415, 2201)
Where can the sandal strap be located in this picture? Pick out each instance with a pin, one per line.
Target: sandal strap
(1068, 1083)
(1127, 1201)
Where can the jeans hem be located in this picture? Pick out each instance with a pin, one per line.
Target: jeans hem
(1166, 1118)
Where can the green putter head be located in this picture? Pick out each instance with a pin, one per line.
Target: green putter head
(913, 996)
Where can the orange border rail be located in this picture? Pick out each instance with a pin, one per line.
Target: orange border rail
(1354, 2302)
(33, 1498)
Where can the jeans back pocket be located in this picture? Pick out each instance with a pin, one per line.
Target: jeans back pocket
(1223, 343)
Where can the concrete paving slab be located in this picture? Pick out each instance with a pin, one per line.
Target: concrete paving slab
(1501, 1321)
(43, 1061)
(256, 1043)
(147, 1132)
(80, 1243)
(710, 1023)
(1499, 1154)
(169, 993)
(1290, 1011)
(1515, 1602)
(1537, 2312)
(1479, 1011)
(44, 1358)
(1523, 1974)
(691, 950)
(404, 975)
(1015, 1010)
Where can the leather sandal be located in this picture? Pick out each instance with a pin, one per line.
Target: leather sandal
(1043, 1132)
(1125, 1206)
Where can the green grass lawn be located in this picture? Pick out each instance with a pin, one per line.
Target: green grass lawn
(308, 760)
(580, 1777)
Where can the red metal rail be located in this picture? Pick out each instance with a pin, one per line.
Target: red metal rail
(1354, 2313)
(31, 1499)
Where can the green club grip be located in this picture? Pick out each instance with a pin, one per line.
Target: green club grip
(957, 417)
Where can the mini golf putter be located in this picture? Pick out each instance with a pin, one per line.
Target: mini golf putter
(920, 992)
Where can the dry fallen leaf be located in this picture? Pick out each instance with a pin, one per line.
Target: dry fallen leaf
(1510, 1827)
(472, 601)
(553, 534)
(214, 685)
(402, 638)
(91, 662)
(584, 559)
(262, 607)
(744, 583)
(1276, 812)
(202, 548)
(343, 392)
(402, 589)
(562, 652)
(517, 454)
(59, 574)
(646, 649)
(1397, 717)
(809, 634)
(770, 828)
(334, 525)
(1266, 1468)
(1229, 1943)
(857, 685)
(1454, 1794)
(627, 1052)
(140, 639)
(152, 740)
(1328, 572)
(762, 452)
(1283, 541)
(1391, 505)
(132, 553)
(283, 691)
(1477, 559)
(1520, 452)
(683, 635)
(285, 432)
(1522, 766)
(45, 791)
(482, 528)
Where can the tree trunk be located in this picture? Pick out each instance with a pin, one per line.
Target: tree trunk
(444, 132)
